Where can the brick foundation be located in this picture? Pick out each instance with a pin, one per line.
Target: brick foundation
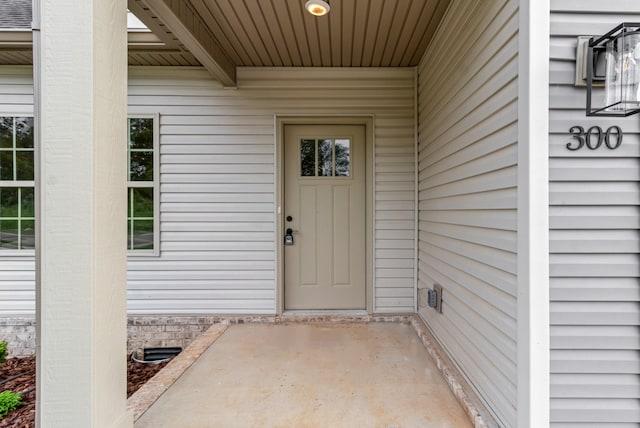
(152, 331)
(20, 334)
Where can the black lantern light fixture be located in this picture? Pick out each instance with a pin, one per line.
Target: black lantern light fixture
(613, 61)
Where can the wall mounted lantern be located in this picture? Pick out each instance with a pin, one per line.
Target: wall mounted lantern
(317, 7)
(613, 72)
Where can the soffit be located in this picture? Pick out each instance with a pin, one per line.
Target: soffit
(144, 48)
(272, 33)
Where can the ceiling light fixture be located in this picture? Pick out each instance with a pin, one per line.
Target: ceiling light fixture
(317, 7)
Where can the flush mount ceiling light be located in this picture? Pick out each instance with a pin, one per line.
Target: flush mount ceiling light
(317, 7)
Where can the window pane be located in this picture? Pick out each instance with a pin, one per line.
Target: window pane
(141, 133)
(6, 132)
(307, 158)
(343, 158)
(9, 234)
(24, 132)
(6, 165)
(24, 165)
(141, 166)
(142, 235)
(129, 197)
(27, 201)
(142, 202)
(8, 202)
(28, 240)
(325, 158)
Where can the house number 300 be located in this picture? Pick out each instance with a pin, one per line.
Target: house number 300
(593, 138)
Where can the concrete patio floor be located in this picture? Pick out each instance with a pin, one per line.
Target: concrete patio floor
(310, 375)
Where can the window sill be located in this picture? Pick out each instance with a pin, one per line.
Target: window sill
(17, 253)
(143, 253)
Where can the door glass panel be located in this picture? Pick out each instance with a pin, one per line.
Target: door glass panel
(343, 158)
(307, 158)
(325, 158)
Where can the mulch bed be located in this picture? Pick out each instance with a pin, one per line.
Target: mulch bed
(24, 370)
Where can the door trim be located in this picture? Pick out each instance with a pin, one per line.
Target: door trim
(368, 122)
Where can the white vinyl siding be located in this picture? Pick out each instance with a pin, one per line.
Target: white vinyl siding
(594, 241)
(17, 276)
(468, 194)
(217, 183)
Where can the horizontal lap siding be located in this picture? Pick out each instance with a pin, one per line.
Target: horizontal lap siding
(217, 175)
(218, 182)
(17, 276)
(594, 241)
(467, 194)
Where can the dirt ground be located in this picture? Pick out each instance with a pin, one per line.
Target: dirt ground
(19, 375)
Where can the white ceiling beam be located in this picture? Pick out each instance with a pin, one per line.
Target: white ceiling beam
(140, 10)
(22, 39)
(185, 23)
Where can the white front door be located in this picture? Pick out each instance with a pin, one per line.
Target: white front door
(324, 257)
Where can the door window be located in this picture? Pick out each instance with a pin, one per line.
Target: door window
(325, 157)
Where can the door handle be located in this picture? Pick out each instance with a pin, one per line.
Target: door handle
(288, 236)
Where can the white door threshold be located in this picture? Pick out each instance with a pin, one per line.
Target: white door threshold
(351, 312)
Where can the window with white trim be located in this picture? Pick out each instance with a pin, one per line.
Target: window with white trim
(17, 188)
(142, 186)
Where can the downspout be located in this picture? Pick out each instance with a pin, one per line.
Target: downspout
(416, 193)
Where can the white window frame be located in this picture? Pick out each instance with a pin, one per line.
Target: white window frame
(142, 184)
(30, 252)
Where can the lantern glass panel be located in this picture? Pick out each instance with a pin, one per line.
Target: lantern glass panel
(623, 73)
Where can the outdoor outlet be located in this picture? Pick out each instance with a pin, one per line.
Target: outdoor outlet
(437, 288)
(432, 298)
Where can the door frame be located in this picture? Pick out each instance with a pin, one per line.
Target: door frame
(368, 122)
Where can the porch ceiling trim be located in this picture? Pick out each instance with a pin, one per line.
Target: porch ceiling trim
(192, 32)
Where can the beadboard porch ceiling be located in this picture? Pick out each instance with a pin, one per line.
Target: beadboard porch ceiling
(222, 35)
(225, 34)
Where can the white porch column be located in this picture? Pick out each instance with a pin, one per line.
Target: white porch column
(80, 68)
(533, 214)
